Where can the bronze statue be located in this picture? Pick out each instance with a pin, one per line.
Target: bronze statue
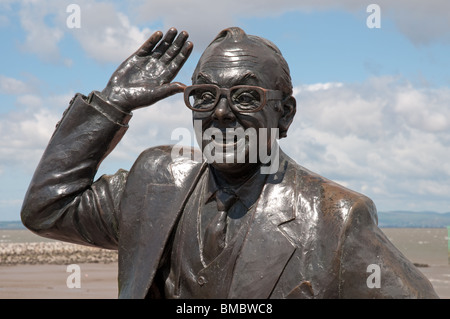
(211, 229)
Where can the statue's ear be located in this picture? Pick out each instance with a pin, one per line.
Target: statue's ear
(288, 108)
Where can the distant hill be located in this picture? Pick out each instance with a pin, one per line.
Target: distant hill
(406, 219)
(399, 219)
(11, 225)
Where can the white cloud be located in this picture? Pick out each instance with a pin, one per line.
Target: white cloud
(422, 22)
(25, 131)
(110, 34)
(30, 101)
(13, 86)
(41, 39)
(425, 109)
(106, 34)
(384, 138)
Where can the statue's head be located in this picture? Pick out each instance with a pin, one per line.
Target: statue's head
(241, 82)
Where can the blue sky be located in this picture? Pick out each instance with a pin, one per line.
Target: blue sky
(373, 104)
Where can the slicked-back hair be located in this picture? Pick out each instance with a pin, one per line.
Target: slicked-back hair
(236, 34)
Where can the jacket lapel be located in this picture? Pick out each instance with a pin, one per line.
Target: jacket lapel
(266, 249)
(150, 219)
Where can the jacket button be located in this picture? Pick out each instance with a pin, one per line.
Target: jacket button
(201, 280)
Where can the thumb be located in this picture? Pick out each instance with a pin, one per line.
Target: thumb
(166, 90)
(159, 93)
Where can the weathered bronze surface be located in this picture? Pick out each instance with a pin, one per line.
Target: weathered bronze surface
(187, 229)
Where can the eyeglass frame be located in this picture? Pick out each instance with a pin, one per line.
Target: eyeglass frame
(268, 95)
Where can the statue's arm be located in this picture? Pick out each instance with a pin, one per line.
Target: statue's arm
(62, 201)
(371, 266)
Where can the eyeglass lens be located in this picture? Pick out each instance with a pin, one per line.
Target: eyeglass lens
(206, 98)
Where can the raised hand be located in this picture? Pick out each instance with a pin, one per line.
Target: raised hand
(145, 77)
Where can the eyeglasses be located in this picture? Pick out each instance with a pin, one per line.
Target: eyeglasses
(242, 98)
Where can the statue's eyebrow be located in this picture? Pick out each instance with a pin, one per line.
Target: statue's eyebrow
(245, 77)
(203, 77)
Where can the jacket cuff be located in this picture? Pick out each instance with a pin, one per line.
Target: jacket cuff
(110, 111)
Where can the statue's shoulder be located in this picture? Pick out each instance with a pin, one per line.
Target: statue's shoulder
(166, 163)
(332, 198)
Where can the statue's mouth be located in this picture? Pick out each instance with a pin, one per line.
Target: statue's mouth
(225, 141)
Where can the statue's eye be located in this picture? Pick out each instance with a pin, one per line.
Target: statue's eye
(207, 97)
(246, 99)
(202, 99)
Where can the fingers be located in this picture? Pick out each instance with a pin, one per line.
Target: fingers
(171, 47)
(175, 48)
(165, 43)
(173, 51)
(148, 45)
(178, 61)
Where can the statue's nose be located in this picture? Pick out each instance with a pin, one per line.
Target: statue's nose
(223, 113)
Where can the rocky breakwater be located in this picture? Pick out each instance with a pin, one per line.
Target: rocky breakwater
(57, 253)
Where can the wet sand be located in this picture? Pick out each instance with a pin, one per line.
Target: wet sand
(99, 278)
(32, 267)
(98, 281)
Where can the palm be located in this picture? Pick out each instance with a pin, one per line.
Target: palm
(148, 71)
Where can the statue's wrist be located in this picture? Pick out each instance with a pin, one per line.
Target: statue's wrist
(108, 108)
(111, 96)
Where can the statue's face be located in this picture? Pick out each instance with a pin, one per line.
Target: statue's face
(228, 65)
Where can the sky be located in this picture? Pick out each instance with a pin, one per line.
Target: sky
(372, 86)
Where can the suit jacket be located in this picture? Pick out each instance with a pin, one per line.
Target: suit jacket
(310, 237)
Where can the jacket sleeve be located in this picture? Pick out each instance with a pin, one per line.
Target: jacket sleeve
(62, 201)
(371, 266)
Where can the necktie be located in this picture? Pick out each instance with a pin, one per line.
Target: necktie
(215, 233)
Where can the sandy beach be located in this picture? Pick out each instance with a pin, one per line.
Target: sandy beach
(98, 281)
(32, 269)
